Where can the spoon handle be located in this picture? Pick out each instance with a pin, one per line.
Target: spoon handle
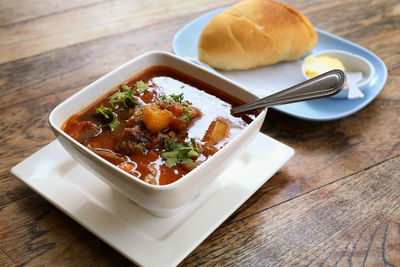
(324, 85)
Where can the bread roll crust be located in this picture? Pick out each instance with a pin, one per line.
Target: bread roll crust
(254, 33)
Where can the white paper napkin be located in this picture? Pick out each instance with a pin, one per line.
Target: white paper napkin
(354, 90)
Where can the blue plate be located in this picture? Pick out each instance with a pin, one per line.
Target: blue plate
(185, 45)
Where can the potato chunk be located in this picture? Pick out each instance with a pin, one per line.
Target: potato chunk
(156, 119)
(217, 131)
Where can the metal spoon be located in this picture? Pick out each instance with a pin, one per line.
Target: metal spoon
(324, 85)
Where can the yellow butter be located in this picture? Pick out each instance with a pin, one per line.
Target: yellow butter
(314, 66)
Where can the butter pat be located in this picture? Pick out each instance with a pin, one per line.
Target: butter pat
(314, 66)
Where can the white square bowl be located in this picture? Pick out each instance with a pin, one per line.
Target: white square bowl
(160, 200)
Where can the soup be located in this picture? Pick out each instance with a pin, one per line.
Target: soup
(158, 125)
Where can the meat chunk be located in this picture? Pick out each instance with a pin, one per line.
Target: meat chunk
(109, 155)
(182, 117)
(133, 141)
(136, 117)
(160, 139)
(84, 131)
(178, 124)
(190, 166)
(194, 113)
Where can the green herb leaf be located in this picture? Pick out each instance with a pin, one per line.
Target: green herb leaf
(125, 87)
(171, 161)
(192, 153)
(114, 123)
(170, 154)
(187, 160)
(177, 98)
(141, 86)
(108, 114)
(186, 113)
(127, 94)
(179, 152)
(121, 97)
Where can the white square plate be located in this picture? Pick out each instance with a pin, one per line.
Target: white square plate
(129, 229)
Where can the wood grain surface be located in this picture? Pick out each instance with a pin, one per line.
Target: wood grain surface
(336, 202)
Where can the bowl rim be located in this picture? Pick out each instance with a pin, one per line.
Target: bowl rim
(108, 164)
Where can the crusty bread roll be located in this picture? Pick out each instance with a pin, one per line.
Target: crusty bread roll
(254, 33)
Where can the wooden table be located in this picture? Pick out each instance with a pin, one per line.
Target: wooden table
(337, 202)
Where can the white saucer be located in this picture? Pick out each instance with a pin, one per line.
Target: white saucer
(141, 237)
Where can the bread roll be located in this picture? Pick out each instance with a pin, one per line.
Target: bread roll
(254, 33)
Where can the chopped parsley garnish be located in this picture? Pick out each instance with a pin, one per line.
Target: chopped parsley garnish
(127, 94)
(177, 98)
(179, 152)
(125, 87)
(186, 113)
(141, 86)
(108, 114)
